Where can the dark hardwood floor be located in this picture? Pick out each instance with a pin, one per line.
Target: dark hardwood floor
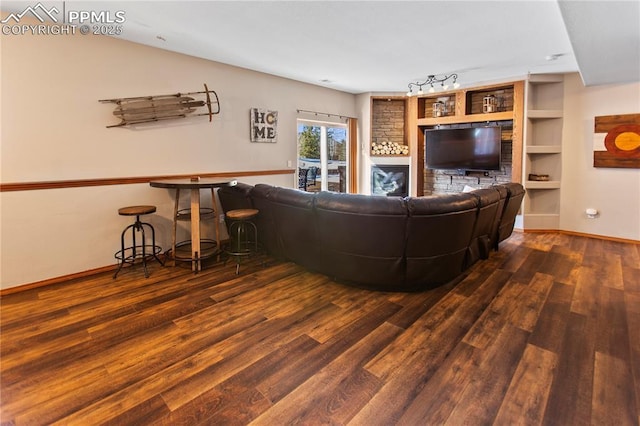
(546, 331)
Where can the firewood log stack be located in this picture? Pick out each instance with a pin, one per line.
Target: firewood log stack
(388, 148)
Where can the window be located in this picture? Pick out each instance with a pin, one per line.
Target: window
(323, 156)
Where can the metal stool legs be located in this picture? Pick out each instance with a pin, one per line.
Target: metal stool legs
(137, 251)
(244, 240)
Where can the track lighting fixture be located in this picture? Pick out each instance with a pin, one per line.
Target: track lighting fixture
(430, 81)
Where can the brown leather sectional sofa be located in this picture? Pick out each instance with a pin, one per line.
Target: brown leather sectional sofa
(382, 243)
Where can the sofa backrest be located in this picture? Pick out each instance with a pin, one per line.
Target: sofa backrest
(294, 225)
(267, 235)
(512, 205)
(234, 197)
(504, 194)
(439, 232)
(489, 208)
(362, 238)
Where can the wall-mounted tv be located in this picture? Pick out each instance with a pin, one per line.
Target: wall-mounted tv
(473, 148)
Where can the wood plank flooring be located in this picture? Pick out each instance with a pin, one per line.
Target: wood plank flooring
(545, 332)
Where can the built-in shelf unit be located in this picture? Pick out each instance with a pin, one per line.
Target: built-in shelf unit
(466, 107)
(543, 150)
(388, 127)
(403, 120)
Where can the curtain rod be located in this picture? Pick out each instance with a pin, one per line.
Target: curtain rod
(323, 113)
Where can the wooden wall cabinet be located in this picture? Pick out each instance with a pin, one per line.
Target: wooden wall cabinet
(465, 106)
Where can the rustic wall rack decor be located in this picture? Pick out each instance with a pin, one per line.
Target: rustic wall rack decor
(147, 109)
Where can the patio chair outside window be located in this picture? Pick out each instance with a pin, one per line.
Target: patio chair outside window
(311, 176)
(302, 178)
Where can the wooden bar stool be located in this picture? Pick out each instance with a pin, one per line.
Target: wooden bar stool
(140, 250)
(243, 233)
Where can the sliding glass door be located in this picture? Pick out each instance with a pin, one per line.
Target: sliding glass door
(323, 150)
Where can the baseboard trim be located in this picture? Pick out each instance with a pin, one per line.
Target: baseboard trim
(56, 280)
(63, 278)
(581, 234)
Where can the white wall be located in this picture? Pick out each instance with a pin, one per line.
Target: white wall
(614, 192)
(363, 105)
(53, 128)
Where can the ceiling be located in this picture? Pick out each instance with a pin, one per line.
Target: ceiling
(381, 46)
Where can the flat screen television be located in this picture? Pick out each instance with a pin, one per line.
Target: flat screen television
(473, 148)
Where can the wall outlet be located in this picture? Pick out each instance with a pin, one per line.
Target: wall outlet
(221, 218)
(289, 163)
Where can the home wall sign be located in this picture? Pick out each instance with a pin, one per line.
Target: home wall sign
(148, 109)
(619, 135)
(264, 125)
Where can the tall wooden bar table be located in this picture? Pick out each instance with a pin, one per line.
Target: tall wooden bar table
(200, 249)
